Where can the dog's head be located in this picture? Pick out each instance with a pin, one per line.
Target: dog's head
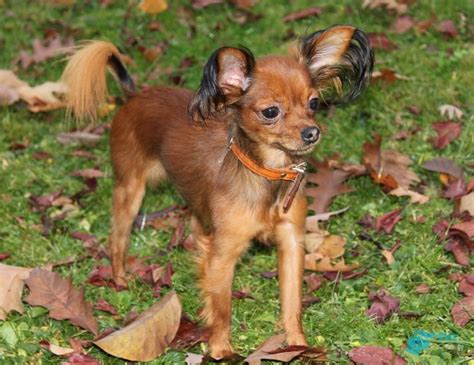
(274, 99)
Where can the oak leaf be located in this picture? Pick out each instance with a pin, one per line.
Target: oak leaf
(148, 336)
(463, 311)
(330, 183)
(49, 290)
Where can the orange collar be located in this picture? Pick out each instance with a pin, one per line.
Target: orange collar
(289, 174)
(295, 173)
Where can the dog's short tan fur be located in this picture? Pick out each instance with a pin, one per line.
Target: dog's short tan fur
(183, 136)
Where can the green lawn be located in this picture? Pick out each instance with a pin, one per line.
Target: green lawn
(439, 71)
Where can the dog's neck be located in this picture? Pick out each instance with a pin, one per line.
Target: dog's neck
(261, 154)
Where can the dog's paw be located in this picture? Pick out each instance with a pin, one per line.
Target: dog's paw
(297, 339)
(219, 350)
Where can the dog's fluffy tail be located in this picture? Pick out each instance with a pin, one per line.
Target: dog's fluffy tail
(85, 77)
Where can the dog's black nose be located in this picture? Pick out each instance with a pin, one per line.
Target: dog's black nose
(311, 134)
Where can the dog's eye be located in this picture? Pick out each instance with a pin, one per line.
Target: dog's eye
(271, 113)
(314, 104)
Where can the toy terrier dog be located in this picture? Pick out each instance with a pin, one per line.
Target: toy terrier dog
(234, 151)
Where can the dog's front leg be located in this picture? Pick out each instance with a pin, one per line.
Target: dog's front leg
(217, 273)
(290, 248)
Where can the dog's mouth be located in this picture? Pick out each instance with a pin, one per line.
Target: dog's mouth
(304, 150)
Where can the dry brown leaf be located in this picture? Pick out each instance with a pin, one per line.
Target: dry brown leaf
(153, 6)
(11, 287)
(49, 290)
(148, 336)
(414, 196)
(389, 168)
(330, 184)
(43, 50)
(269, 350)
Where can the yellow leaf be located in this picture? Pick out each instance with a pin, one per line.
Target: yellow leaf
(153, 6)
(149, 335)
(312, 262)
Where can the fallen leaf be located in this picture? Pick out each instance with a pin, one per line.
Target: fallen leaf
(55, 349)
(463, 311)
(414, 196)
(88, 173)
(269, 274)
(193, 359)
(148, 336)
(189, 334)
(11, 288)
(269, 351)
(84, 359)
(330, 183)
(4, 255)
(467, 204)
(399, 6)
(450, 111)
(388, 76)
(346, 275)
(105, 306)
(445, 166)
(153, 6)
(423, 289)
(45, 50)
(383, 305)
(243, 4)
(312, 220)
(466, 227)
(41, 155)
(455, 189)
(388, 221)
(199, 4)
(80, 137)
(403, 24)
(381, 41)
(314, 281)
(386, 167)
(447, 131)
(448, 29)
(302, 14)
(375, 355)
(49, 290)
(316, 263)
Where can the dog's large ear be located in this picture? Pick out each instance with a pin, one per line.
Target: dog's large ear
(225, 79)
(338, 56)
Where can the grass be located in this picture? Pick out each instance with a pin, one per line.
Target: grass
(439, 72)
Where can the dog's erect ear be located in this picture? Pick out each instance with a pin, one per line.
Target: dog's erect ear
(225, 79)
(339, 56)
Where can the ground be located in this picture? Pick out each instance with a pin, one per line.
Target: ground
(438, 71)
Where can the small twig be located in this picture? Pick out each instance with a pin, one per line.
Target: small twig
(365, 236)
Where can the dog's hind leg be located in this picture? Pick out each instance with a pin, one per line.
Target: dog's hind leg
(126, 201)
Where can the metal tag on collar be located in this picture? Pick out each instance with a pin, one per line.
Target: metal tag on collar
(301, 168)
(230, 142)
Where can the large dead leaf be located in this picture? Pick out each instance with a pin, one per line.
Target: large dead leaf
(40, 98)
(388, 168)
(148, 336)
(51, 291)
(11, 287)
(383, 305)
(381, 41)
(302, 14)
(330, 183)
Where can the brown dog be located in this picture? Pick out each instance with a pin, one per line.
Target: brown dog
(233, 150)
